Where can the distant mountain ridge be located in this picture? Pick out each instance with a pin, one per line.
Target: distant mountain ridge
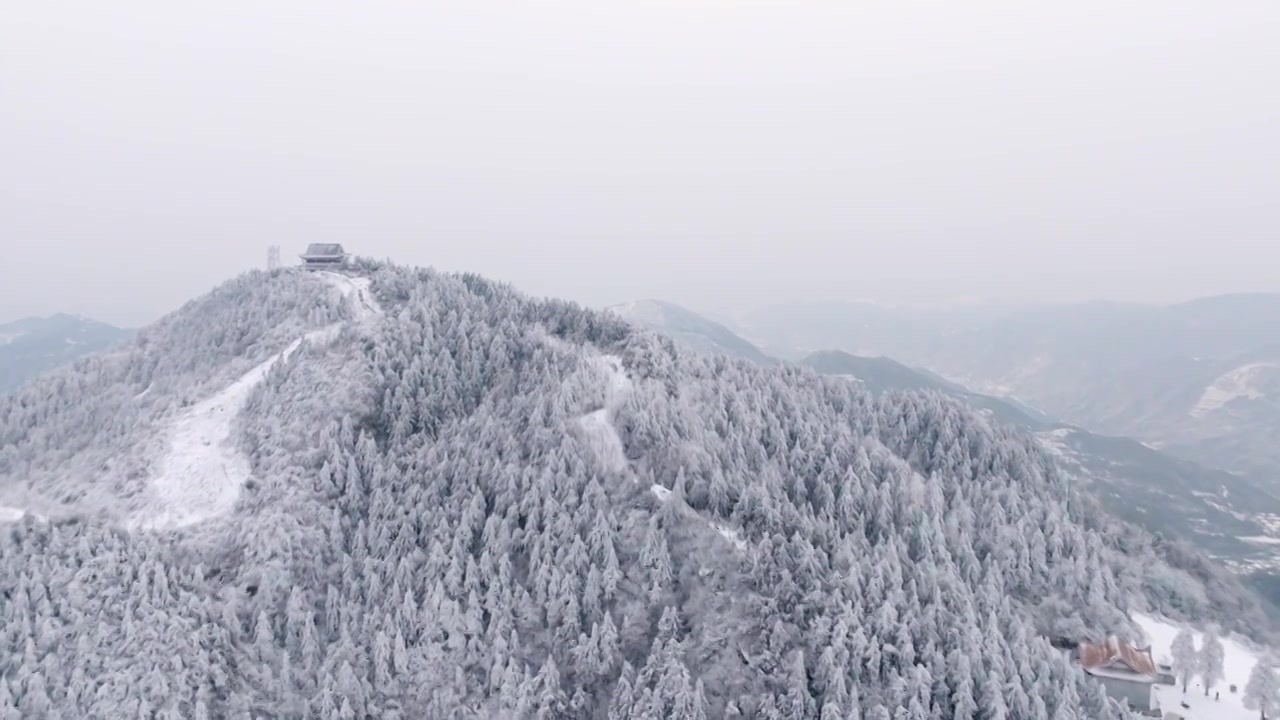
(32, 346)
(690, 329)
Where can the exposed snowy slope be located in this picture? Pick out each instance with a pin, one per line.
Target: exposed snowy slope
(1238, 384)
(1239, 660)
(202, 473)
(598, 425)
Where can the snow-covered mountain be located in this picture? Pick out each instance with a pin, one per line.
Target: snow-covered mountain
(1200, 379)
(401, 494)
(34, 345)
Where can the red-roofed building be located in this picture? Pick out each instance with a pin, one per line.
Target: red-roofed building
(1126, 672)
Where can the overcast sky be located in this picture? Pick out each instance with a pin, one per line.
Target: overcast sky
(716, 153)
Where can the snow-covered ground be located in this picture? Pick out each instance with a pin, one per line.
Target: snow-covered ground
(1239, 659)
(1240, 383)
(601, 434)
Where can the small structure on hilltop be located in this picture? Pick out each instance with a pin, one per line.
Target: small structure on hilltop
(324, 256)
(1126, 673)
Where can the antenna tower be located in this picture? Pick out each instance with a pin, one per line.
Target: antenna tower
(273, 257)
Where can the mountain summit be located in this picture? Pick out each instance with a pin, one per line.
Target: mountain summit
(393, 493)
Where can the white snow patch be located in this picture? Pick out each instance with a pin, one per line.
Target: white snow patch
(663, 495)
(1238, 384)
(1054, 442)
(1239, 658)
(731, 535)
(603, 439)
(202, 473)
(1261, 539)
(14, 514)
(602, 436)
(357, 290)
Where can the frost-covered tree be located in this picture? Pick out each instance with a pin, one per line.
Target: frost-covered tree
(1186, 661)
(1212, 659)
(1262, 692)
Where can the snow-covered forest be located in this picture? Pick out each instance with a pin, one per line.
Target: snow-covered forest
(474, 504)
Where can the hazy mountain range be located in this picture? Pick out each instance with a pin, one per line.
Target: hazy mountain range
(34, 345)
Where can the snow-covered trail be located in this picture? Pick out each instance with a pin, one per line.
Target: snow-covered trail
(1238, 662)
(601, 434)
(202, 472)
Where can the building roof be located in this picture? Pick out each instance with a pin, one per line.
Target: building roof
(321, 250)
(1117, 659)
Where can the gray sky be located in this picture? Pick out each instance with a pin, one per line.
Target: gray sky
(716, 153)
